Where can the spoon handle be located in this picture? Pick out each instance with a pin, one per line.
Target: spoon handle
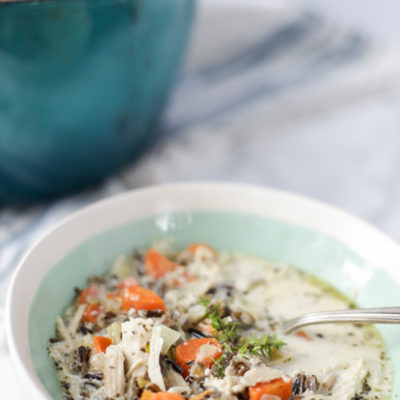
(386, 315)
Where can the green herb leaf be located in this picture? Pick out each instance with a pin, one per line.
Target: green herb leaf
(227, 333)
(204, 301)
(218, 367)
(262, 347)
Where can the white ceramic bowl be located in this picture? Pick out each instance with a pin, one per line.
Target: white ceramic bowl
(350, 254)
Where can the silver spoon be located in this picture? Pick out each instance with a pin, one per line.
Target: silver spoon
(385, 315)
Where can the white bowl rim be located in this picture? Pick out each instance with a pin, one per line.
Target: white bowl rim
(373, 245)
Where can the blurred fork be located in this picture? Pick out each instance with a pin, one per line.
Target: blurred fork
(385, 315)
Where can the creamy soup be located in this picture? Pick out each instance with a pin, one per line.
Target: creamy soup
(200, 324)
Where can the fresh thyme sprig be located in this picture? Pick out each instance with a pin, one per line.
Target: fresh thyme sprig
(204, 301)
(226, 330)
(262, 347)
(227, 333)
(219, 367)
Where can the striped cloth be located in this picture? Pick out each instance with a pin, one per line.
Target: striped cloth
(256, 76)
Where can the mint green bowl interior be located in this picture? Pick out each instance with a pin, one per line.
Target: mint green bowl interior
(303, 248)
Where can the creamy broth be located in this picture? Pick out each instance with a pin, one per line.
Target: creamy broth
(232, 306)
(346, 353)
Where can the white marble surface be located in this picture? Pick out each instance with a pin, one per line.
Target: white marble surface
(335, 138)
(318, 113)
(378, 19)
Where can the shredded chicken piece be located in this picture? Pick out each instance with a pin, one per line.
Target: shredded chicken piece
(154, 369)
(260, 373)
(76, 320)
(97, 362)
(142, 344)
(63, 331)
(136, 335)
(344, 387)
(114, 375)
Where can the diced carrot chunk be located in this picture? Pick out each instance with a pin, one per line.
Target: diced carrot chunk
(157, 265)
(130, 281)
(188, 351)
(303, 335)
(208, 249)
(115, 298)
(201, 395)
(277, 387)
(101, 343)
(141, 299)
(90, 291)
(93, 313)
(148, 395)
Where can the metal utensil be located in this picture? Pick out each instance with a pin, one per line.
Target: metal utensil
(385, 315)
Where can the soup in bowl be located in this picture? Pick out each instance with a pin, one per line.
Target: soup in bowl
(205, 274)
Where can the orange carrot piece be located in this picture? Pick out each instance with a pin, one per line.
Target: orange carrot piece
(141, 299)
(130, 281)
(188, 351)
(148, 395)
(194, 247)
(112, 296)
(201, 395)
(92, 313)
(101, 343)
(303, 335)
(90, 291)
(277, 387)
(157, 265)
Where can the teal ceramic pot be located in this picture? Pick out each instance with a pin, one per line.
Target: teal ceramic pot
(82, 87)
